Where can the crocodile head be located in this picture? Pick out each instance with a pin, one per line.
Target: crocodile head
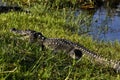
(22, 32)
(32, 35)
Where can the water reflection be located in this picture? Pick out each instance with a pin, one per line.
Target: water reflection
(104, 24)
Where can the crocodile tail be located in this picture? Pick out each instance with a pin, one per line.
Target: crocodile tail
(117, 67)
(113, 64)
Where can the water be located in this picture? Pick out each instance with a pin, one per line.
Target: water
(105, 24)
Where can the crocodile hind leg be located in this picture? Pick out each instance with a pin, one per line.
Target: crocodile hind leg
(75, 54)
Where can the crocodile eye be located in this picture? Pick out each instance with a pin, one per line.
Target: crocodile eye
(39, 35)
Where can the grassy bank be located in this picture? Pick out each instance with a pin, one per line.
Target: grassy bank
(21, 60)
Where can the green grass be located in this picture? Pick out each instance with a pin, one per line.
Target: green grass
(20, 59)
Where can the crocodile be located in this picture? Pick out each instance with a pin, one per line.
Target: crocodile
(73, 49)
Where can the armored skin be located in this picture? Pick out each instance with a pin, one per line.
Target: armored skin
(72, 49)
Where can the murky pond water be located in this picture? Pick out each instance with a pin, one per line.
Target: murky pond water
(109, 22)
(105, 24)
